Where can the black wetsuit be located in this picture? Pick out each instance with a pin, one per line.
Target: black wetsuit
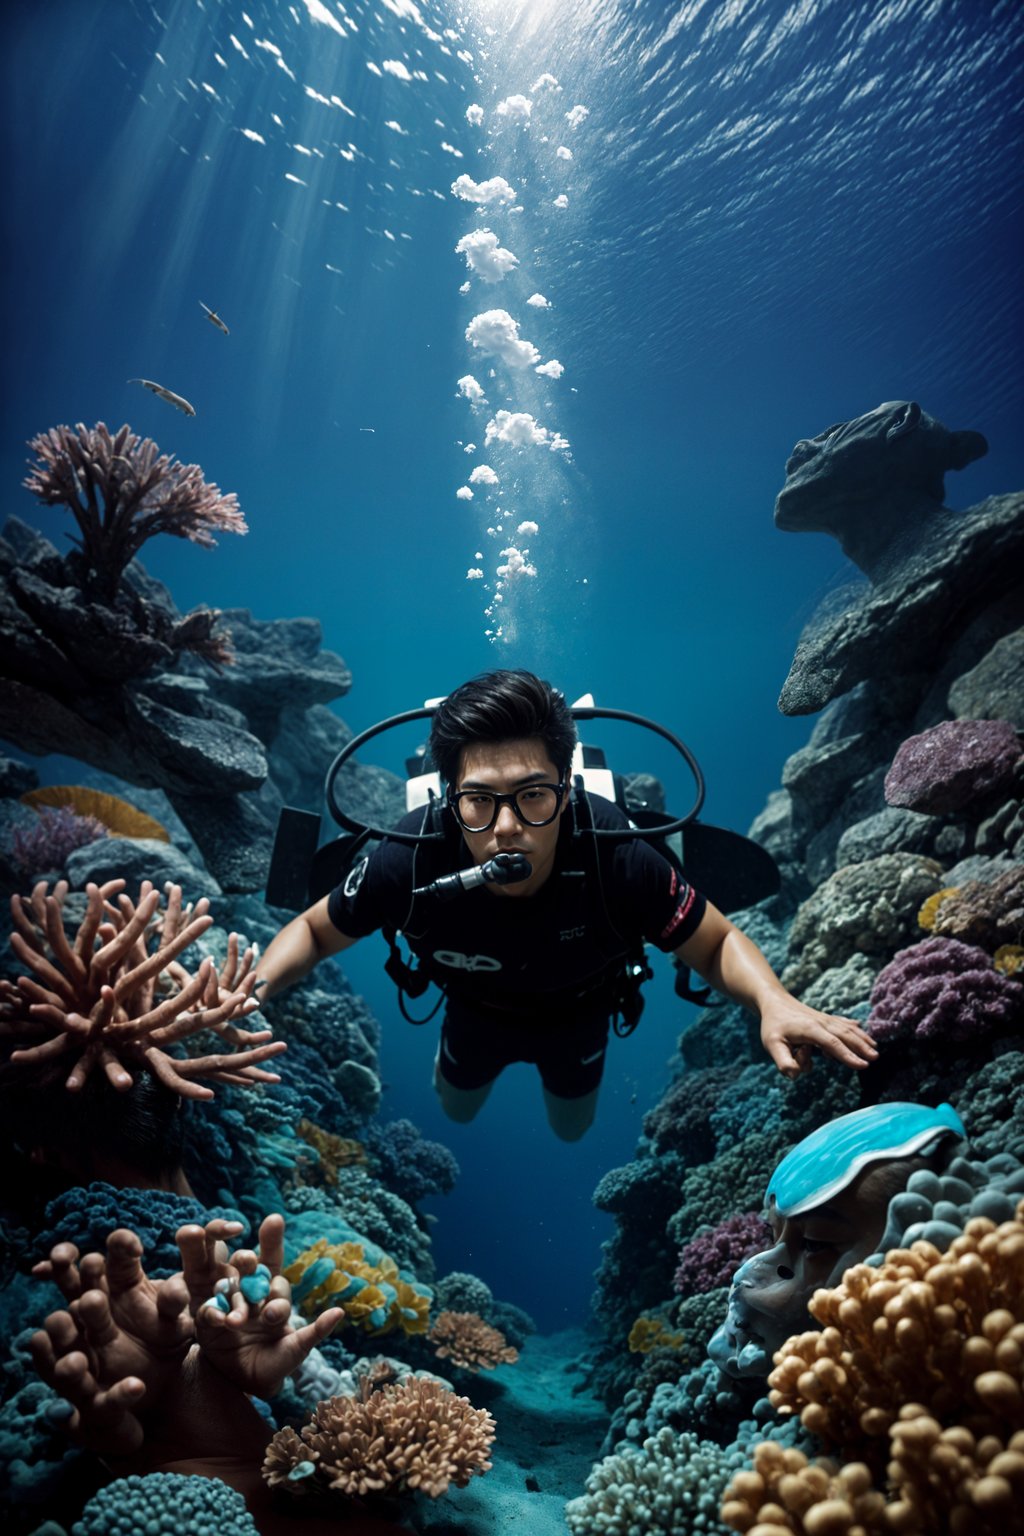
(530, 979)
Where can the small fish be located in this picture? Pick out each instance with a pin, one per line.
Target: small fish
(214, 318)
(166, 394)
(367, 429)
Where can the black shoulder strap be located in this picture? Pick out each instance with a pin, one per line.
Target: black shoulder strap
(412, 980)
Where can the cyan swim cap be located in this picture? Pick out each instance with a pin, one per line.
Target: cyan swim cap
(831, 1157)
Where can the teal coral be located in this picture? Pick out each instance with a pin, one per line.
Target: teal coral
(673, 1484)
(166, 1504)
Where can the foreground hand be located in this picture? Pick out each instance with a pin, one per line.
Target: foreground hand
(122, 1337)
(253, 1343)
(790, 1030)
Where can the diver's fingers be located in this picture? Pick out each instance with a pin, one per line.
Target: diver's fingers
(124, 1260)
(63, 1333)
(96, 1319)
(62, 1268)
(92, 1273)
(847, 1042)
(172, 1297)
(271, 1242)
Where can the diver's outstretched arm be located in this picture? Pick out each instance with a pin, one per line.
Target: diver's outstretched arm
(300, 945)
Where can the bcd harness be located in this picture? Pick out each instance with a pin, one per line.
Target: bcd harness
(619, 981)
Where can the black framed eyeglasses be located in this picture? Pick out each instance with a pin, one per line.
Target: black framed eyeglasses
(535, 805)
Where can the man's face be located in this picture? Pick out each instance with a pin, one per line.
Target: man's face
(504, 767)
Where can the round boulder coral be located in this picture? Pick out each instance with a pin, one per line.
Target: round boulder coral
(166, 1504)
(944, 990)
(953, 766)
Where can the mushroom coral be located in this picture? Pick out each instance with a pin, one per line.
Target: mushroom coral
(411, 1436)
(466, 1340)
(116, 996)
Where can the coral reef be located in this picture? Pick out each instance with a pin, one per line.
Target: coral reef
(953, 766)
(121, 494)
(409, 1164)
(414, 1436)
(166, 1504)
(470, 1343)
(945, 991)
(112, 999)
(117, 816)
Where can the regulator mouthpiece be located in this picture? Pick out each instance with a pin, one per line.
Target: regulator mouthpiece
(503, 869)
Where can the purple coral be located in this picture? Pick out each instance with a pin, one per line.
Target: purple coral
(952, 766)
(49, 843)
(121, 494)
(710, 1261)
(943, 990)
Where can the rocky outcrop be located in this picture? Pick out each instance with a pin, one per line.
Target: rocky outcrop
(229, 746)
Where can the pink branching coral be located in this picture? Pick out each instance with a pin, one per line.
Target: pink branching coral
(108, 999)
(944, 990)
(466, 1340)
(710, 1261)
(412, 1437)
(54, 837)
(121, 494)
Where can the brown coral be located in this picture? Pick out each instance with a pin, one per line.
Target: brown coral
(785, 1493)
(108, 999)
(465, 1339)
(414, 1436)
(120, 494)
(333, 1152)
(946, 1480)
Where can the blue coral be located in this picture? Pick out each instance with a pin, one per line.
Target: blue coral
(87, 1215)
(411, 1166)
(166, 1504)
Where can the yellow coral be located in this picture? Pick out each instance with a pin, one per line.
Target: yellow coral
(1009, 959)
(928, 915)
(374, 1298)
(649, 1333)
(333, 1151)
(119, 818)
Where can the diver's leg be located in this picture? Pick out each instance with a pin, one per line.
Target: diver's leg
(571, 1068)
(464, 1070)
(570, 1118)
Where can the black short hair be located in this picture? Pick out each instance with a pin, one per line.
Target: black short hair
(502, 706)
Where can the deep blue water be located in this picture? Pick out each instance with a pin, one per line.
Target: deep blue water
(778, 215)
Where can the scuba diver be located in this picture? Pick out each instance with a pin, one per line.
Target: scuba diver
(536, 961)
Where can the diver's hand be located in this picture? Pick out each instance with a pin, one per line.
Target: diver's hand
(253, 1343)
(122, 1339)
(790, 1030)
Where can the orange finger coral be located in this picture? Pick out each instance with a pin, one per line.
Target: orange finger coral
(465, 1339)
(116, 995)
(784, 1493)
(411, 1437)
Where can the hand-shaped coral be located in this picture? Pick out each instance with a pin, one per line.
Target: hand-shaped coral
(109, 999)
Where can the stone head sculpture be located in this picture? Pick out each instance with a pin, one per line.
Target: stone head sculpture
(827, 1202)
(875, 483)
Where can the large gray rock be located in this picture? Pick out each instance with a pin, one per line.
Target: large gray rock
(236, 836)
(876, 484)
(193, 755)
(278, 664)
(135, 859)
(994, 688)
(889, 831)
